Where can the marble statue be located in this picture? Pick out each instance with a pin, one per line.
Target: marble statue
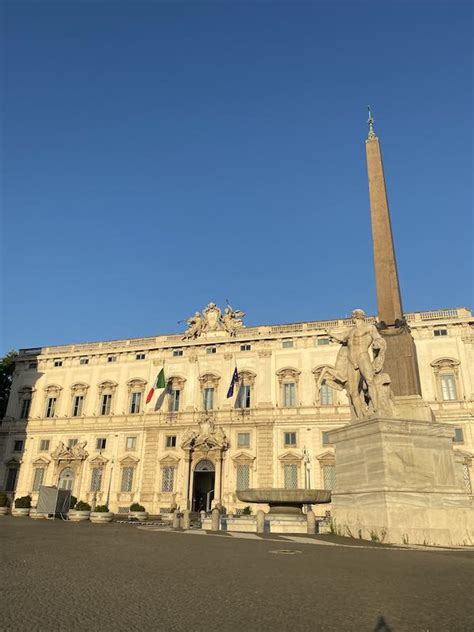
(359, 369)
(232, 320)
(211, 319)
(195, 326)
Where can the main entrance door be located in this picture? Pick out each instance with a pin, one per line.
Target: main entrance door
(203, 486)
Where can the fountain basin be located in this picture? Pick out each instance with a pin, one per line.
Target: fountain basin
(285, 501)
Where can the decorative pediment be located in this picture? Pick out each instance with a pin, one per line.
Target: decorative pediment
(326, 458)
(209, 380)
(176, 382)
(243, 457)
(319, 369)
(107, 385)
(445, 363)
(128, 460)
(76, 453)
(13, 462)
(288, 374)
(98, 461)
(290, 456)
(169, 459)
(41, 461)
(247, 377)
(24, 391)
(53, 390)
(209, 437)
(79, 387)
(136, 384)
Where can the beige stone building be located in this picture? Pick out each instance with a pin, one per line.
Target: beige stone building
(77, 415)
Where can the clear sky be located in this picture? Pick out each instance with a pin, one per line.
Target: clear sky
(161, 155)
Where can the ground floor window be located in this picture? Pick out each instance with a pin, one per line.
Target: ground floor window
(329, 476)
(96, 479)
(167, 479)
(291, 476)
(12, 474)
(127, 479)
(243, 477)
(467, 478)
(38, 478)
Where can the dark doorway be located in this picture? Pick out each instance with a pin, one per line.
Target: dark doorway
(203, 486)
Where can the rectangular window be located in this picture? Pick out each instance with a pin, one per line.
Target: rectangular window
(50, 406)
(58, 362)
(289, 395)
(326, 395)
(127, 479)
(245, 347)
(448, 387)
(329, 476)
(287, 344)
(290, 439)
(135, 401)
(440, 332)
(167, 479)
(466, 478)
(131, 443)
(322, 341)
(96, 479)
(112, 358)
(243, 477)
(25, 408)
(71, 443)
(208, 398)
(325, 437)
(18, 445)
(243, 439)
(211, 350)
(291, 476)
(174, 400)
(84, 360)
(38, 478)
(458, 435)
(77, 405)
(140, 356)
(10, 484)
(177, 353)
(170, 441)
(100, 443)
(243, 397)
(106, 404)
(44, 445)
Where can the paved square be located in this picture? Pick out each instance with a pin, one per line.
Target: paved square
(71, 576)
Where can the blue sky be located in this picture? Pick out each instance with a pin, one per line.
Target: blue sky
(158, 156)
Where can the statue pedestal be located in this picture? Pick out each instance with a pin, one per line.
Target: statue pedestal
(400, 481)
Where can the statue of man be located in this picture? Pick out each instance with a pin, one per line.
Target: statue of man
(195, 325)
(361, 385)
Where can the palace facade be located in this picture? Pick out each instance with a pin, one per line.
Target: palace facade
(78, 417)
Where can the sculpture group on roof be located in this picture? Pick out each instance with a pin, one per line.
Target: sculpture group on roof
(212, 319)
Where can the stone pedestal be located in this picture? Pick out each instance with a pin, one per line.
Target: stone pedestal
(399, 481)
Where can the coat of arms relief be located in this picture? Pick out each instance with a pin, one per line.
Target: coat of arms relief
(212, 319)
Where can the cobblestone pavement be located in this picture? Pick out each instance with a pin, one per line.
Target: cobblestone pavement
(75, 576)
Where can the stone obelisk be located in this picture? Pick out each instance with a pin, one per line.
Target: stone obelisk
(400, 362)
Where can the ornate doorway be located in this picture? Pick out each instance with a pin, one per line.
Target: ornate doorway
(203, 485)
(66, 479)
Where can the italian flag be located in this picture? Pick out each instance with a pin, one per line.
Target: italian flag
(160, 382)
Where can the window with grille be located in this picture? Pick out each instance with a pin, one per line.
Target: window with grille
(290, 439)
(448, 387)
(135, 401)
(18, 445)
(289, 395)
(100, 443)
(106, 404)
(50, 406)
(38, 478)
(44, 445)
(243, 396)
(77, 405)
(243, 439)
(71, 443)
(25, 407)
(171, 441)
(127, 479)
(208, 398)
(329, 476)
(326, 395)
(174, 400)
(96, 479)
(243, 477)
(466, 478)
(291, 476)
(131, 443)
(167, 481)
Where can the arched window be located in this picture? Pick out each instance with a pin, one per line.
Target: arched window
(66, 479)
(288, 379)
(446, 374)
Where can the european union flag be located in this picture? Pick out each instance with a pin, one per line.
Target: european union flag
(233, 382)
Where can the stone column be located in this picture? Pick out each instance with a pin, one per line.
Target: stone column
(186, 519)
(215, 519)
(311, 521)
(260, 521)
(217, 479)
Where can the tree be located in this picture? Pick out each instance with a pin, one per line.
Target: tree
(7, 366)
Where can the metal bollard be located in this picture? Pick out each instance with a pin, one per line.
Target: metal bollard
(260, 521)
(311, 521)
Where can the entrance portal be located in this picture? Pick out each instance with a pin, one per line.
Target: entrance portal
(203, 486)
